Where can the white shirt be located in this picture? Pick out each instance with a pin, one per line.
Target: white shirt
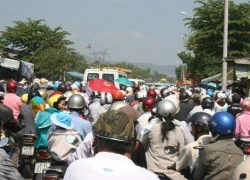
(211, 112)
(189, 154)
(142, 122)
(107, 166)
(195, 110)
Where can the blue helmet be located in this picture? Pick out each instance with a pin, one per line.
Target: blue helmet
(222, 123)
(210, 92)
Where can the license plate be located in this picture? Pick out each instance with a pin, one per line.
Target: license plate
(28, 150)
(40, 167)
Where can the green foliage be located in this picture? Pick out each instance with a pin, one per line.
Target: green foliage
(206, 38)
(47, 48)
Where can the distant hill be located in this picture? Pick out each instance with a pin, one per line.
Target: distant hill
(163, 69)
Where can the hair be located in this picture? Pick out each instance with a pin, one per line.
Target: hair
(167, 125)
(114, 146)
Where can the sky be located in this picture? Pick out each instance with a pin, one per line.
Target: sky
(147, 31)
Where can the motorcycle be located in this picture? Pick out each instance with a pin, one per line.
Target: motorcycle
(27, 158)
(245, 147)
(55, 172)
(43, 161)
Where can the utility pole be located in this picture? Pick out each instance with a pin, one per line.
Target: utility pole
(225, 46)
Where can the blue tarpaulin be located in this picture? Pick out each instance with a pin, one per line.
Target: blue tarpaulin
(75, 74)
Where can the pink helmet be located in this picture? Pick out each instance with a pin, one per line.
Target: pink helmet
(245, 104)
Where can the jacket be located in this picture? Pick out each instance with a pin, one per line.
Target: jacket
(63, 142)
(160, 155)
(185, 109)
(218, 160)
(43, 124)
(234, 109)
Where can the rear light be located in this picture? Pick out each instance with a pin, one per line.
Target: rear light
(43, 154)
(247, 149)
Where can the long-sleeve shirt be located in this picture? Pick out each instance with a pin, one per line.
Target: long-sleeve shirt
(13, 102)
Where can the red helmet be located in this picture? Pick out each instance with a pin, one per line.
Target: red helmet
(11, 86)
(148, 103)
(136, 87)
(117, 95)
(151, 93)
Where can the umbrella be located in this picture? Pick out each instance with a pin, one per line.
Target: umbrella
(102, 85)
(213, 85)
(124, 81)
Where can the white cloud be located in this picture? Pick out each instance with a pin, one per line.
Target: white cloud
(135, 34)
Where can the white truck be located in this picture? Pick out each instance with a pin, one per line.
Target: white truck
(107, 73)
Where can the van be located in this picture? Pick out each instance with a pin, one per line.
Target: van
(109, 74)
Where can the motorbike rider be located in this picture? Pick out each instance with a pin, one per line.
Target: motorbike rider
(12, 100)
(114, 142)
(130, 97)
(185, 108)
(163, 140)
(76, 105)
(147, 105)
(207, 105)
(220, 102)
(243, 124)
(235, 107)
(94, 105)
(200, 131)
(62, 87)
(117, 96)
(197, 102)
(221, 156)
(64, 139)
(106, 100)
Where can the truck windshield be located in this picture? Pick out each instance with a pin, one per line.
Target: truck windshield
(108, 77)
(92, 76)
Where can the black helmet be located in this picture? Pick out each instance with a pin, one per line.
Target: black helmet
(169, 93)
(183, 96)
(201, 119)
(236, 98)
(33, 93)
(62, 87)
(207, 102)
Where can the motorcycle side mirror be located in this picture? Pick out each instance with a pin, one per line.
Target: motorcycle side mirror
(4, 142)
(72, 140)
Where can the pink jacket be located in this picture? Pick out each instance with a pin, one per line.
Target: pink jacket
(13, 102)
(243, 125)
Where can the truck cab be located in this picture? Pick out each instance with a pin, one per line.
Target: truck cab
(109, 74)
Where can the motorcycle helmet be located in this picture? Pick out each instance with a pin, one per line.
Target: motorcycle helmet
(236, 98)
(76, 101)
(136, 87)
(166, 108)
(183, 96)
(221, 95)
(62, 87)
(207, 103)
(67, 94)
(210, 92)
(117, 105)
(33, 94)
(106, 98)
(24, 98)
(245, 104)
(37, 104)
(148, 104)
(162, 92)
(200, 119)
(53, 99)
(222, 123)
(197, 90)
(117, 95)
(11, 86)
(43, 93)
(151, 93)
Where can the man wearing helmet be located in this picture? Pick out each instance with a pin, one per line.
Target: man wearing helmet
(147, 106)
(235, 107)
(114, 141)
(242, 131)
(185, 108)
(207, 105)
(12, 100)
(200, 131)
(219, 159)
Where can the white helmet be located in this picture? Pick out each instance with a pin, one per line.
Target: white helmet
(106, 98)
(221, 95)
(166, 108)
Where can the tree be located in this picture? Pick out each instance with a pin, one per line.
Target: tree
(37, 43)
(205, 43)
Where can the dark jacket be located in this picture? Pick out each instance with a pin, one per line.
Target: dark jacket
(218, 160)
(234, 109)
(185, 108)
